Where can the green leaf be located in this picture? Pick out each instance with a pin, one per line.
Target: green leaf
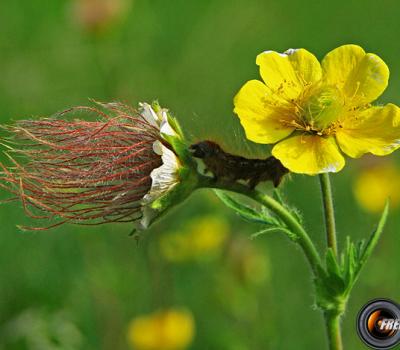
(373, 240)
(332, 265)
(292, 236)
(359, 249)
(349, 263)
(330, 286)
(334, 280)
(355, 255)
(247, 212)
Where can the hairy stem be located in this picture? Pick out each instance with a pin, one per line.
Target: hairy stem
(332, 319)
(332, 324)
(327, 200)
(291, 222)
(304, 239)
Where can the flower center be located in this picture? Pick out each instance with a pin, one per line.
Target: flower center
(322, 107)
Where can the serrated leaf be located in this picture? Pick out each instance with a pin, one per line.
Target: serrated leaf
(352, 265)
(329, 289)
(344, 256)
(359, 248)
(332, 265)
(348, 253)
(334, 283)
(349, 263)
(247, 212)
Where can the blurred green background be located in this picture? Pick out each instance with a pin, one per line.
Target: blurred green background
(77, 287)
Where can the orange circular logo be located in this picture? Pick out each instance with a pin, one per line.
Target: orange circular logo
(378, 324)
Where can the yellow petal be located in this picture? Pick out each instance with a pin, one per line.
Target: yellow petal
(261, 121)
(287, 74)
(363, 77)
(375, 130)
(309, 154)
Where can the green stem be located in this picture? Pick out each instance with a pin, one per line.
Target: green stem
(332, 323)
(329, 211)
(304, 239)
(291, 222)
(332, 319)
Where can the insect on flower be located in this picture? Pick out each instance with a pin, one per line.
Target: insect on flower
(109, 169)
(233, 168)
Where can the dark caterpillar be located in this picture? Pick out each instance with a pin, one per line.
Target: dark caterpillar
(232, 168)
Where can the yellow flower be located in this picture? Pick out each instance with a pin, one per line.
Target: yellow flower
(313, 112)
(374, 186)
(200, 237)
(162, 330)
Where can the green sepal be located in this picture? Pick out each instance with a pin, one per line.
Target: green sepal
(181, 149)
(171, 120)
(188, 182)
(177, 142)
(187, 175)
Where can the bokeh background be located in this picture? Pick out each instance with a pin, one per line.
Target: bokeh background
(80, 288)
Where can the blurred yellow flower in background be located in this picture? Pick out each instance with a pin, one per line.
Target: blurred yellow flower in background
(249, 264)
(376, 184)
(314, 112)
(198, 238)
(163, 330)
(242, 277)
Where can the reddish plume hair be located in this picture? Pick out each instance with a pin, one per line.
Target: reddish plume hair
(81, 171)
